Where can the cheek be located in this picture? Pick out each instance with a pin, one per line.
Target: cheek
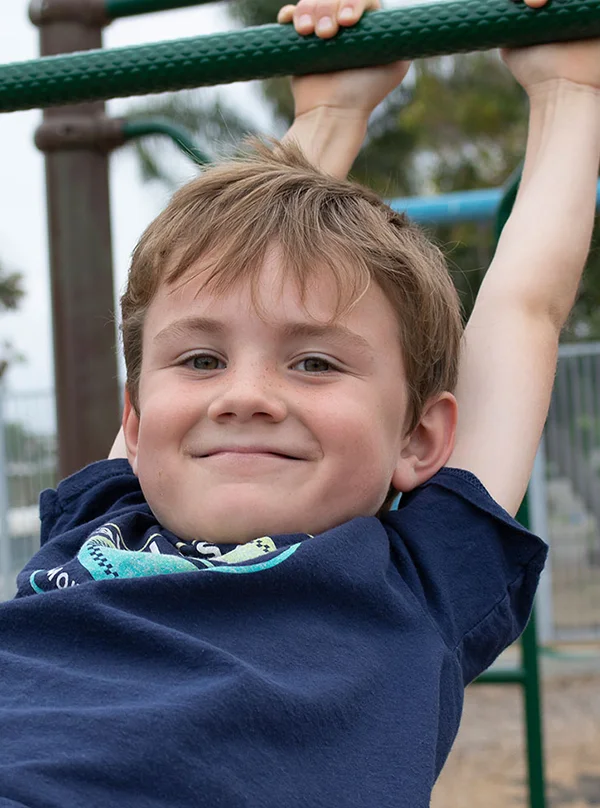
(167, 413)
(359, 437)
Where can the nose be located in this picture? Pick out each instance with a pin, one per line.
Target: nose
(247, 394)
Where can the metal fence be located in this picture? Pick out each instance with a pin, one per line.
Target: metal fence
(572, 448)
(28, 464)
(570, 493)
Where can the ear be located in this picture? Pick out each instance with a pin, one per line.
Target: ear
(427, 449)
(131, 429)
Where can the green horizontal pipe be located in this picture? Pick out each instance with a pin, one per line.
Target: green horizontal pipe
(275, 50)
(130, 8)
(180, 137)
(511, 676)
(567, 656)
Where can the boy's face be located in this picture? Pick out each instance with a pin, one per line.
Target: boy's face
(252, 427)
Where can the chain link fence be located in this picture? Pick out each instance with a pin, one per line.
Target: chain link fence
(28, 464)
(572, 443)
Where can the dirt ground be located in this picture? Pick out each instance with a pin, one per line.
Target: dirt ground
(487, 765)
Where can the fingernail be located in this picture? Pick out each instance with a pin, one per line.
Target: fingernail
(305, 21)
(324, 25)
(346, 14)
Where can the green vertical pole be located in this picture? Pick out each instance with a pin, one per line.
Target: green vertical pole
(533, 716)
(534, 739)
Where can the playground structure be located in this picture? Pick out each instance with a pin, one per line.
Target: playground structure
(77, 138)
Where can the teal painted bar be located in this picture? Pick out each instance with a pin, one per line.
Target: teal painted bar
(461, 206)
(131, 8)
(132, 130)
(276, 50)
(497, 676)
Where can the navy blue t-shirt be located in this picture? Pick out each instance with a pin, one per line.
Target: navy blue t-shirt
(297, 671)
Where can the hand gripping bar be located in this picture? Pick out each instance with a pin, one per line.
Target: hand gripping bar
(381, 37)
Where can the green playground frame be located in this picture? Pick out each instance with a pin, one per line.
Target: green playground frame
(433, 29)
(71, 86)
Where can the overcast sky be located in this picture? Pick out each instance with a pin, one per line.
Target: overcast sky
(23, 234)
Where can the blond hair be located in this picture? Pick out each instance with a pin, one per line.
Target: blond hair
(234, 212)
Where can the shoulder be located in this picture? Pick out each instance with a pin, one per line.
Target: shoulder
(89, 494)
(460, 498)
(473, 568)
(111, 473)
(453, 512)
(102, 493)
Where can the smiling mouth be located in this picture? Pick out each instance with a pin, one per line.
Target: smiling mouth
(247, 453)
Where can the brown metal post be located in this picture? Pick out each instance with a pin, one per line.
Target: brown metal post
(87, 392)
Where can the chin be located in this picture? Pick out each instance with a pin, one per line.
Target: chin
(239, 518)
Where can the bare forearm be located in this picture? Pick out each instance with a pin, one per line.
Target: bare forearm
(544, 245)
(331, 138)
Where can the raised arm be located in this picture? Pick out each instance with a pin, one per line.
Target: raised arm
(511, 340)
(332, 110)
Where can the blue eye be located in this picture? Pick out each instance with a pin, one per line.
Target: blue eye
(315, 364)
(205, 362)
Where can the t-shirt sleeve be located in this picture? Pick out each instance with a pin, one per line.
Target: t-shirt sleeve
(93, 493)
(472, 567)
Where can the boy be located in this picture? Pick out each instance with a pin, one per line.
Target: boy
(255, 628)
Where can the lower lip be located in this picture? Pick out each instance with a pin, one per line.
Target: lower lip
(245, 456)
(247, 465)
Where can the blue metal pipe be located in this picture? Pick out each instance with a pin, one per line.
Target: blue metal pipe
(464, 206)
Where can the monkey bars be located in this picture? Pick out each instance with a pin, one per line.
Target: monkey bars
(275, 50)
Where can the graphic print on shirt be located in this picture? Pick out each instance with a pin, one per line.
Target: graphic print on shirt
(105, 554)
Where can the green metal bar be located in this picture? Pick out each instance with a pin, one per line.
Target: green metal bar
(180, 137)
(510, 676)
(528, 676)
(131, 8)
(276, 50)
(534, 737)
(533, 716)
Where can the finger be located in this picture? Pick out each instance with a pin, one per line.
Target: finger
(536, 3)
(326, 18)
(304, 17)
(323, 17)
(352, 10)
(286, 14)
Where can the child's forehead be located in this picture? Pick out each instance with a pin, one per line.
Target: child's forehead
(319, 289)
(286, 304)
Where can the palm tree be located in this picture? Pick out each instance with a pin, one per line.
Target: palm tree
(11, 293)
(11, 289)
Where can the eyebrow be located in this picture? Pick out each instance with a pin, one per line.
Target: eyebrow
(189, 325)
(335, 332)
